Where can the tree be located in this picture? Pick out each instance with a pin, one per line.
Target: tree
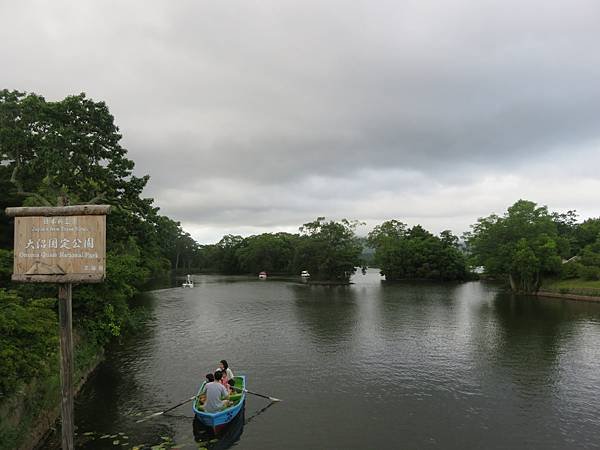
(226, 255)
(523, 245)
(415, 253)
(69, 149)
(587, 232)
(272, 253)
(329, 250)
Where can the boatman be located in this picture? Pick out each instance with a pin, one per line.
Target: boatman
(216, 395)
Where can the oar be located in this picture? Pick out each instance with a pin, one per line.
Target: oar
(273, 399)
(166, 410)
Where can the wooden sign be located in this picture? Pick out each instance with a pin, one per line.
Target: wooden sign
(65, 245)
(60, 245)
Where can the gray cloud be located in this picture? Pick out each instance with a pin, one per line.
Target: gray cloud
(259, 116)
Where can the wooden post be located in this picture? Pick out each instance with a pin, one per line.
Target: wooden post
(62, 245)
(66, 363)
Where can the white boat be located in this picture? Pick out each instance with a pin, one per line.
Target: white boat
(305, 274)
(188, 282)
(262, 276)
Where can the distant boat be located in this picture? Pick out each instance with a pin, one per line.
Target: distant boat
(305, 274)
(188, 282)
(262, 276)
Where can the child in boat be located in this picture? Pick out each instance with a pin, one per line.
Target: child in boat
(227, 374)
(224, 379)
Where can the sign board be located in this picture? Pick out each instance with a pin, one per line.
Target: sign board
(59, 248)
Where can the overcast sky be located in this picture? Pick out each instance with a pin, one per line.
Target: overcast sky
(258, 116)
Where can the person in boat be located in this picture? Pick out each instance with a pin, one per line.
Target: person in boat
(227, 374)
(225, 367)
(209, 379)
(217, 396)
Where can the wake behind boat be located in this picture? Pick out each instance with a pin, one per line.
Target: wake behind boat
(226, 415)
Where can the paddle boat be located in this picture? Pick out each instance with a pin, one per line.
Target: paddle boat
(188, 282)
(262, 276)
(225, 416)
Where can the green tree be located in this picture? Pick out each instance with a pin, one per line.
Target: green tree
(329, 250)
(227, 260)
(587, 232)
(68, 148)
(271, 252)
(523, 245)
(415, 253)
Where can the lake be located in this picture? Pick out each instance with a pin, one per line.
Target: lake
(372, 365)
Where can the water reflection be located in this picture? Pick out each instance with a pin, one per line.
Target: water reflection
(526, 337)
(326, 313)
(225, 437)
(458, 366)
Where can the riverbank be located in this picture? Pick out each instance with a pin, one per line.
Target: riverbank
(42, 428)
(32, 411)
(572, 289)
(30, 415)
(584, 298)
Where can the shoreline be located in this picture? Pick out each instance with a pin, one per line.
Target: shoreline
(576, 297)
(45, 423)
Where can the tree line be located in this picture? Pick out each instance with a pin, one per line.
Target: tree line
(523, 247)
(330, 250)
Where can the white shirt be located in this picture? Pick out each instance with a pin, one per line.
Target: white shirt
(215, 392)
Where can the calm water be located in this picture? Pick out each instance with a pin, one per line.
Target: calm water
(366, 366)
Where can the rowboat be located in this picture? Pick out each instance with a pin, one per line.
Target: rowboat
(227, 415)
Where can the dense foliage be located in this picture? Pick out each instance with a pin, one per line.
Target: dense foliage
(523, 245)
(329, 250)
(271, 252)
(28, 335)
(585, 262)
(69, 152)
(402, 253)
(528, 244)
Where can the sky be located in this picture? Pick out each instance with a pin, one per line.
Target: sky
(259, 116)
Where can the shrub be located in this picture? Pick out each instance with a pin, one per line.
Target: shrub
(28, 339)
(570, 270)
(589, 272)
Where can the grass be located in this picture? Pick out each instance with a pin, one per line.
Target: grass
(576, 286)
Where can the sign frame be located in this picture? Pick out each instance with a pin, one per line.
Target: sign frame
(60, 211)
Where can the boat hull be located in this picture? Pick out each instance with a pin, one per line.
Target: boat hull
(221, 417)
